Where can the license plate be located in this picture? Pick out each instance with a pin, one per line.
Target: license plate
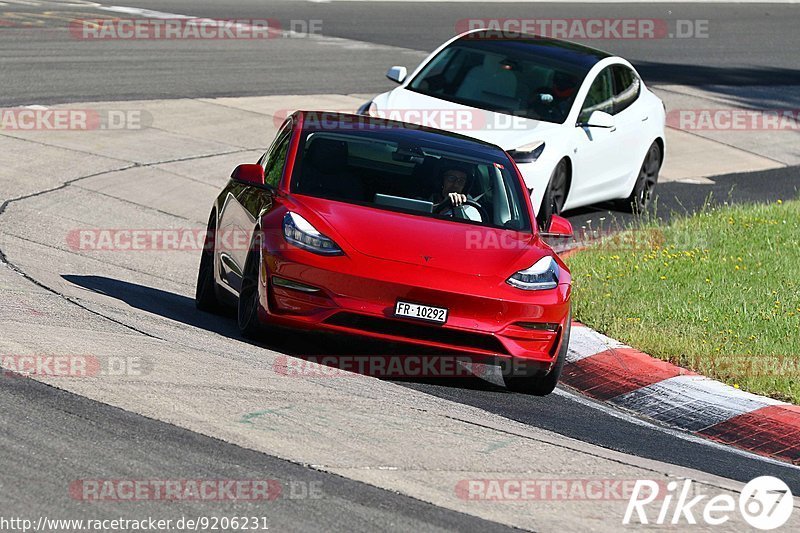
(421, 312)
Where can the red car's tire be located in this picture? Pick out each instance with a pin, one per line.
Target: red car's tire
(247, 317)
(205, 296)
(539, 384)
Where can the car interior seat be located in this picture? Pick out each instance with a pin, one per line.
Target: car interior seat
(327, 174)
(490, 82)
(424, 180)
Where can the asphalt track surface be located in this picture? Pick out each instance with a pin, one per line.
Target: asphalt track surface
(747, 44)
(69, 433)
(45, 448)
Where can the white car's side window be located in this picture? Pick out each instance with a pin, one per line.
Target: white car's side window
(600, 96)
(626, 88)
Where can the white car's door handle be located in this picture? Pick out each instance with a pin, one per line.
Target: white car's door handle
(612, 130)
(645, 118)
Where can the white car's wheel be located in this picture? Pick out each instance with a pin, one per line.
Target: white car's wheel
(555, 195)
(646, 181)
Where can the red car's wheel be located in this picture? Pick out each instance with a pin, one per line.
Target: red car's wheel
(205, 296)
(249, 297)
(539, 384)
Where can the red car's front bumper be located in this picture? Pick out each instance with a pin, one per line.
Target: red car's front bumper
(357, 295)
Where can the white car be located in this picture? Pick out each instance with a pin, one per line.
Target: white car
(579, 122)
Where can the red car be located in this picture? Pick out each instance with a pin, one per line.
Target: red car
(392, 231)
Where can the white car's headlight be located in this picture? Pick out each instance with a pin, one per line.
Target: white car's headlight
(527, 153)
(300, 232)
(541, 276)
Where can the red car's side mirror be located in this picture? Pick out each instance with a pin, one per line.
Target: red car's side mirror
(249, 174)
(558, 227)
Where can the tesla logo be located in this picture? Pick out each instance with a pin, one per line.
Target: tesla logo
(427, 258)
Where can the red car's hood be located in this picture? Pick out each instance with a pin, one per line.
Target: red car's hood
(419, 240)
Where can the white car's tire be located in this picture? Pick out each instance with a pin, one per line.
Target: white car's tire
(646, 182)
(554, 195)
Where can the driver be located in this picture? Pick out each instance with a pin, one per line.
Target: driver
(454, 179)
(556, 97)
(564, 88)
(564, 85)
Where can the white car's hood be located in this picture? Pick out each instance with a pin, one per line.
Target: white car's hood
(507, 131)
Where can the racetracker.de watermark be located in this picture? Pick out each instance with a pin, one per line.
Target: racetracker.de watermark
(376, 366)
(149, 523)
(71, 366)
(197, 490)
(155, 239)
(600, 239)
(37, 118)
(584, 28)
(746, 365)
(196, 239)
(444, 119)
(530, 489)
(734, 119)
(397, 366)
(175, 29)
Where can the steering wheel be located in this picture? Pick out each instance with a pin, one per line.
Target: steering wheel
(444, 204)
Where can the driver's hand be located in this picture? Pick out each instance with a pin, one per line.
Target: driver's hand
(457, 198)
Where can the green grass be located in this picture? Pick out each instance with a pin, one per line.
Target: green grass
(717, 292)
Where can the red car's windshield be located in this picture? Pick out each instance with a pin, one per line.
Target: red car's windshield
(392, 169)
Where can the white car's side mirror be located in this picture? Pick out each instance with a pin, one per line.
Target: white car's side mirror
(397, 74)
(599, 119)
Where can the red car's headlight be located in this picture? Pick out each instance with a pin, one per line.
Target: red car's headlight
(541, 276)
(300, 232)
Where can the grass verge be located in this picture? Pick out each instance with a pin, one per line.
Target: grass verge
(717, 292)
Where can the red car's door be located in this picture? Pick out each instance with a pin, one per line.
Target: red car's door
(244, 205)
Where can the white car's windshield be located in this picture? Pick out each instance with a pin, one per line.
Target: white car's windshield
(505, 77)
